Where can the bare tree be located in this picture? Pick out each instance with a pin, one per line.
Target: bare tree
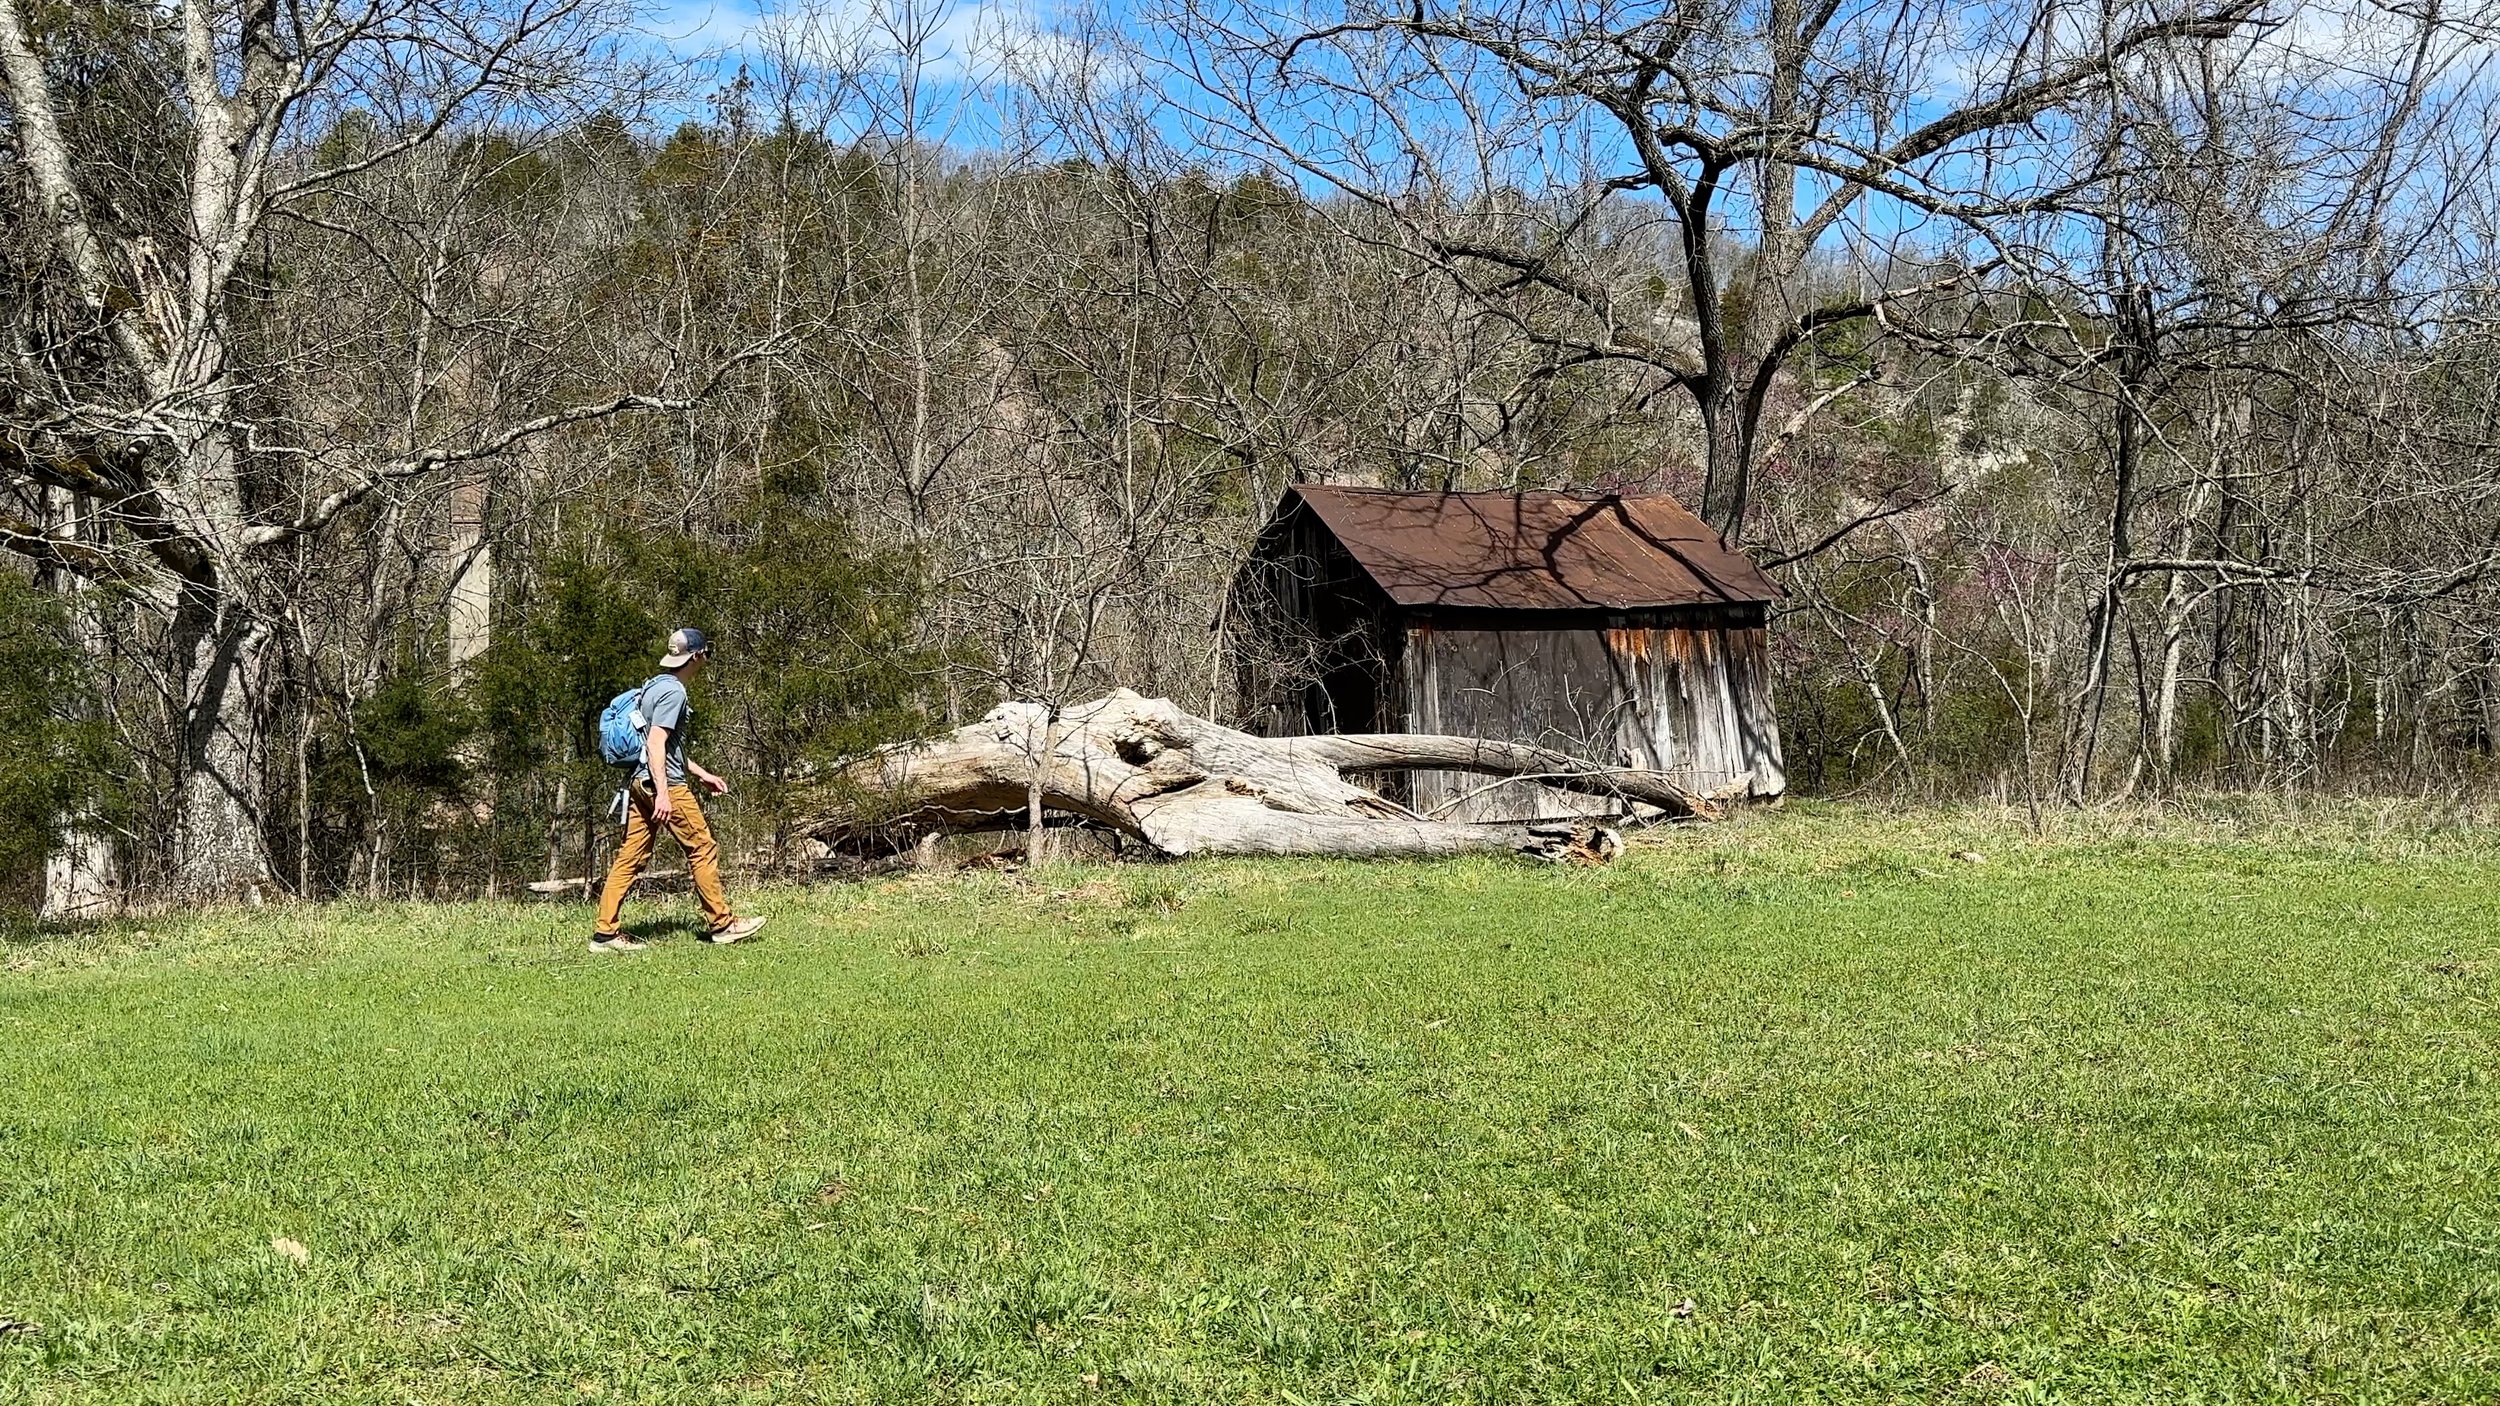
(1798, 168)
(143, 391)
(2262, 217)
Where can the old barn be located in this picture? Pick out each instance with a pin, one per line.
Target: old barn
(1620, 629)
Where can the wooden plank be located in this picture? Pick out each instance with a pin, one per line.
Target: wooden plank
(1749, 670)
(1559, 689)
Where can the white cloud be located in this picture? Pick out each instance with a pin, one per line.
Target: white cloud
(2296, 46)
(953, 41)
(699, 27)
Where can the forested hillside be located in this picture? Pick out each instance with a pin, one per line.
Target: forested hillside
(2111, 391)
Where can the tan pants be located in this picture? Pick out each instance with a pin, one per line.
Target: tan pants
(642, 830)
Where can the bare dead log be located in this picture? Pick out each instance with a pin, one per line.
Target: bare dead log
(1184, 785)
(1395, 751)
(588, 884)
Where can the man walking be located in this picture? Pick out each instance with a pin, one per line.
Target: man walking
(660, 798)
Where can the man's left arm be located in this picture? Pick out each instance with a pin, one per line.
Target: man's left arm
(712, 781)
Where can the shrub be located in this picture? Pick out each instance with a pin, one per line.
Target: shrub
(58, 754)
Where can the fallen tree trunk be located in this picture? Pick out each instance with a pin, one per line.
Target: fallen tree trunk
(1417, 751)
(588, 884)
(1185, 785)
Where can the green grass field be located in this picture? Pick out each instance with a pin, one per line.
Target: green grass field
(1798, 1109)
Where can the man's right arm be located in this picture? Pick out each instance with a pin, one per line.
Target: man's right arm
(655, 758)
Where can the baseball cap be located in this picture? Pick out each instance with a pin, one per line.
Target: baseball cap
(683, 646)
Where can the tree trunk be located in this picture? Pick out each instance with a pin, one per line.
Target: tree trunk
(1725, 487)
(2491, 695)
(2136, 359)
(469, 611)
(79, 878)
(1184, 785)
(220, 852)
(2177, 608)
(1036, 833)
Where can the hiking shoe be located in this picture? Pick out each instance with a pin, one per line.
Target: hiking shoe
(618, 943)
(738, 931)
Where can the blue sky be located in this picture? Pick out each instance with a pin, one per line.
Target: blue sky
(696, 26)
(2323, 53)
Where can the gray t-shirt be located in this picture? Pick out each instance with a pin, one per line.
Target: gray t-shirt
(664, 704)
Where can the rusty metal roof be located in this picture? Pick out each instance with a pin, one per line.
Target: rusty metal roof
(1535, 551)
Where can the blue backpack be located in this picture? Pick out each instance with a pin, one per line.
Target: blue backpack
(621, 728)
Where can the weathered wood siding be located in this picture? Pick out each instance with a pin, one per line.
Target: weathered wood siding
(1693, 699)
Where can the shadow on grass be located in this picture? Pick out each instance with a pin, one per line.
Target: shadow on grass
(666, 929)
(23, 937)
